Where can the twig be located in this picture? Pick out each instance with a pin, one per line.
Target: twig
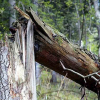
(71, 70)
(84, 77)
(61, 84)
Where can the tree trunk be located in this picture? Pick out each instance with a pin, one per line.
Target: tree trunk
(58, 54)
(86, 38)
(12, 12)
(38, 70)
(98, 28)
(96, 8)
(54, 77)
(97, 14)
(4, 81)
(79, 26)
(35, 2)
(22, 64)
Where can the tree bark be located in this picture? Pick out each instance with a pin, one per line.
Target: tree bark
(4, 80)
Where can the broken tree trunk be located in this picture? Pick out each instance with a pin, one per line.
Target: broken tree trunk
(54, 51)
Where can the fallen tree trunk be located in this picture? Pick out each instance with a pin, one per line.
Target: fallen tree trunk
(54, 51)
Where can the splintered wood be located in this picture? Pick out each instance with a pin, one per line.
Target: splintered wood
(51, 48)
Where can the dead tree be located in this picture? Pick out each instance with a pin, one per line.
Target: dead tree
(54, 51)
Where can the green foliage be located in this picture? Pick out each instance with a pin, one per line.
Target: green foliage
(1, 10)
(68, 91)
(45, 76)
(69, 3)
(59, 39)
(94, 48)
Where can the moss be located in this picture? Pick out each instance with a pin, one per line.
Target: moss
(59, 39)
(55, 30)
